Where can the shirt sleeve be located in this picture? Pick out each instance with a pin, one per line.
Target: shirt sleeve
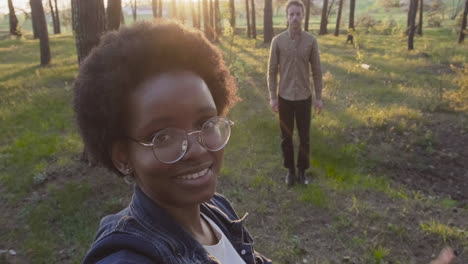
(273, 64)
(316, 68)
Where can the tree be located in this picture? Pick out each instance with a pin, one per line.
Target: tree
(307, 15)
(57, 19)
(219, 29)
(412, 23)
(254, 25)
(199, 13)
(114, 13)
(232, 11)
(324, 19)
(352, 7)
(160, 9)
(212, 20)
(247, 16)
(206, 21)
(338, 18)
(154, 7)
(134, 7)
(268, 21)
(14, 26)
(38, 18)
(420, 24)
(181, 11)
(89, 24)
(194, 16)
(463, 24)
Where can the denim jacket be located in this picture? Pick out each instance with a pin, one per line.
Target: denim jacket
(145, 233)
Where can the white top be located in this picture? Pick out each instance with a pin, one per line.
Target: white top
(223, 250)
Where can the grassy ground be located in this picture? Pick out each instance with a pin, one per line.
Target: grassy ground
(357, 207)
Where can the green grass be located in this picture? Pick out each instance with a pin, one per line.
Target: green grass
(59, 212)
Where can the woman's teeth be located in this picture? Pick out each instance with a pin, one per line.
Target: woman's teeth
(193, 176)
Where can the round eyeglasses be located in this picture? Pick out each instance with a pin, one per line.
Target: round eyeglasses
(170, 144)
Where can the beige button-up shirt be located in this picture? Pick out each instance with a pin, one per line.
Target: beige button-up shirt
(292, 59)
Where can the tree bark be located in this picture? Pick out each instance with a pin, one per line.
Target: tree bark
(194, 16)
(90, 23)
(14, 28)
(206, 21)
(352, 7)
(181, 11)
(254, 24)
(463, 24)
(420, 24)
(307, 15)
(114, 13)
(247, 15)
(38, 17)
(219, 29)
(134, 9)
(212, 20)
(324, 19)
(199, 13)
(232, 11)
(52, 14)
(412, 25)
(338, 18)
(154, 7)
(268, 21)
(160, 9)
(57, 17)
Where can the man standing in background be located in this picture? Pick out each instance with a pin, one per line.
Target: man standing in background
(291, 53)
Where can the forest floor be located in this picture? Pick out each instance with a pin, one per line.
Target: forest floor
(389, 181)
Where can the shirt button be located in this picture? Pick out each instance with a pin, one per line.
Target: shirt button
(243, 252)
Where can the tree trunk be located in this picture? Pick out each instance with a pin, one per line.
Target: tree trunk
(199, 13)
(194, 16)
(254, 25)
(232, 11)
(212, 20)
(268, 21)
(52, 14)
(219, 29)
(463, 24)
(206, 21)
(338, 18)
(307, 15)
(352, 6)
(174, 9)
(38, 17)
(134, 10)
(324, 19)
(154, 6)
(57, 17)
(181, 13)
(410, 9)
(412, 24)
(420, 24)
(114, 13)
(160, 9)
(14, 29)
(90, 23)
(247, 15)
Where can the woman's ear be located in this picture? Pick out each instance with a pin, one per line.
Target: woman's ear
(120, 158)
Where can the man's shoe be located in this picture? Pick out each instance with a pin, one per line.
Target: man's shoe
(301, 177)
(290, 178)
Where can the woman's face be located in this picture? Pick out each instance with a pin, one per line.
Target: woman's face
(179, 100)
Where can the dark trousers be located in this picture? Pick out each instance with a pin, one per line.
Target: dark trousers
(288, 112)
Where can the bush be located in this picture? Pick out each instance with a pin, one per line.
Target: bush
(366, 22)
(387, 27)
(459, 98)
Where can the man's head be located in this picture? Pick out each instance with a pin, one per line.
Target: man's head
(295, 14)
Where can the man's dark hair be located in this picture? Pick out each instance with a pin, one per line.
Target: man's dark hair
(296, 3)
(126, 58)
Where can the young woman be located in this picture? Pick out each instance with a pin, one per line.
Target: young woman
(150, 104)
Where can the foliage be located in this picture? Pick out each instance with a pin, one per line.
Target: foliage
(366, 22)
(459, 98)
(389, 3)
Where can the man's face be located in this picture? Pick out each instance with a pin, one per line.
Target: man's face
(295, 16)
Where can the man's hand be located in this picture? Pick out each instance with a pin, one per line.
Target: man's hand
(446, 256)
(318, 106)
(274, 105)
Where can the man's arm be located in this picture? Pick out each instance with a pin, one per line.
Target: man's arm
(273, 64)
(316, 68)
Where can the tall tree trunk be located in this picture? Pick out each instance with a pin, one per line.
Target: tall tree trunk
(420, 24)
(206, 21)
(134, 10)
(90, 23)
(352, 7)
(324, 19)
(14, 28)
(160, 9)
(338, 18)
(52, 14)
(268, 21)
(247, 15)
(463, 24)
(154, 6)
(232, 11)
(194, 17)
(114, 12)
(181, 12)
(219, 29)
(38, 17)
(307, 14)
(412, 24)
(57, 18)
(174, 9)
(410, 9)
(254, 25)
(199, 13)
(211, 6)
